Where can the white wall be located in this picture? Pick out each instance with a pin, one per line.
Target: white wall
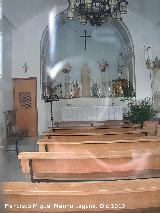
(26, 47)
(104, 43)
(6, 90)
(143, 32)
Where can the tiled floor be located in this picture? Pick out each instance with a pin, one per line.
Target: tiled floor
(10, 168)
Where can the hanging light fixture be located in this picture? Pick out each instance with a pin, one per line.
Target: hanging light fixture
(96, 12)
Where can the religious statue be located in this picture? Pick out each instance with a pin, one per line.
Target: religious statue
(66, 70)
(95, 90)
(155, 66)
(85, 80)
(76, 90)
(104, 91)
(121, 64)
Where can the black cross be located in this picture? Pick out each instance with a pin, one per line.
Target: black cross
(85, 36)
(25, 67)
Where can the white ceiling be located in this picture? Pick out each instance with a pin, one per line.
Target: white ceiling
(148, 9)
(20, 11)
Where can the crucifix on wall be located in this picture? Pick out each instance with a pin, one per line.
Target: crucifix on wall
(85, 36)
(25, 67)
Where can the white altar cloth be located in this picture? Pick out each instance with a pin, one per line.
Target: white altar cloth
(92, 113)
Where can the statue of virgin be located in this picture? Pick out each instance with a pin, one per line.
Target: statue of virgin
(156, 83)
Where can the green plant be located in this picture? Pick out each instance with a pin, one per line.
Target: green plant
(128, 90)
(140, 111)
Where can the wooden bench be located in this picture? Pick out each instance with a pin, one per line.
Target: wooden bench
(126, 196)
(91, 136)
(91, 129)
(80, 123)
(99, 164)
(95, 133)
(48, 145)
(151, 127)
(131, 127)
(99, 138)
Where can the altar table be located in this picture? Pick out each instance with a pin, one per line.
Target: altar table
(92, 113)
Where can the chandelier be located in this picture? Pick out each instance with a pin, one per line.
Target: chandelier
(96, 12)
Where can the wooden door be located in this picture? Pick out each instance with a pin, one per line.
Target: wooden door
(25, 104)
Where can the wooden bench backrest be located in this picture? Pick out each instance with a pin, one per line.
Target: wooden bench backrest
(81, 165)
(129, 194)
(96, 133)
(99, 139)
(93, 129)
(90, 130)
(49, 146)
(83, 128)
(74, 138)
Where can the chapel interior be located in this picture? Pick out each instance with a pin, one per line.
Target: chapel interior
(80, 106)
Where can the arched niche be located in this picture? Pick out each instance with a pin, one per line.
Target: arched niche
(62, 44)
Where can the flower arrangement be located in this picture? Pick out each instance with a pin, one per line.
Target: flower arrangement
(103, 65)
(67, 68)
(117, 90)
(123, 88)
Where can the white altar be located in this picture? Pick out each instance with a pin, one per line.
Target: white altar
(92, 113)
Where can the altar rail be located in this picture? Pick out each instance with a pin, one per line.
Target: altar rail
(92, 113)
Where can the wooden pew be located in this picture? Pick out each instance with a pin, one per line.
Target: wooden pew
(90, 137)
(80, 123)
(83, 128)
(126, 196)
(95, 133)
(99, 138)
(92, 130)
(48, 145)
(99, 164)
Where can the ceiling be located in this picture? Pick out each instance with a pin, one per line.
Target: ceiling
(20, 11)
(148, 9)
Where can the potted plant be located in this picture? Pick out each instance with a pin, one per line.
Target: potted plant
(139, 111)
(128, 90)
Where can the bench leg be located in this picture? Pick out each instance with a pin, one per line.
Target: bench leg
(31, 170)
(46, 147)
(17, 150)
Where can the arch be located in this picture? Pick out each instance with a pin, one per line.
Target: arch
(126, 38)
(118, 26)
